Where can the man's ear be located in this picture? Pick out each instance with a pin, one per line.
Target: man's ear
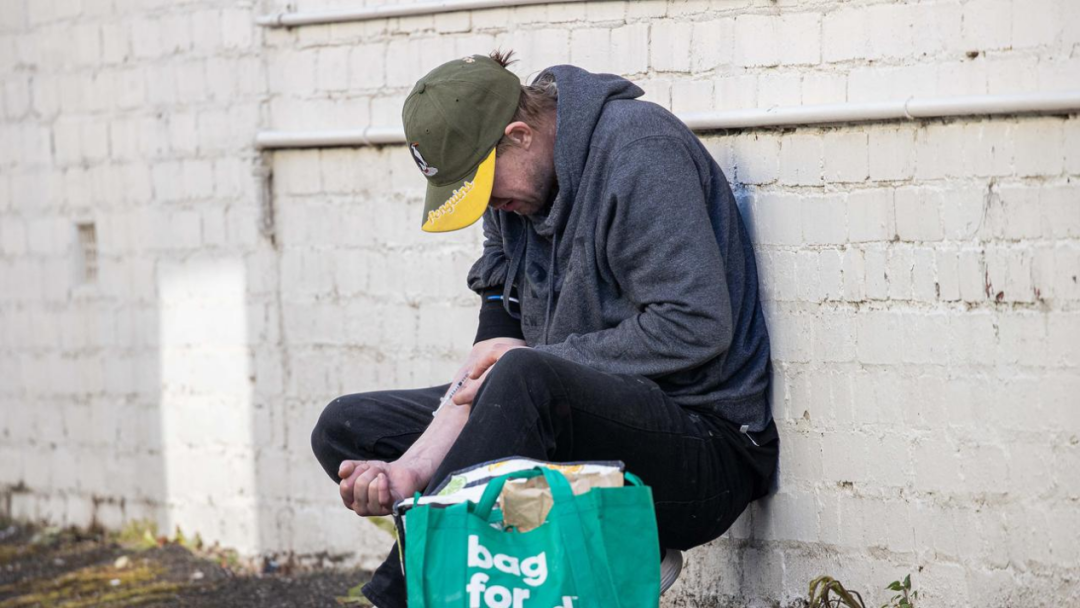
(520, 133)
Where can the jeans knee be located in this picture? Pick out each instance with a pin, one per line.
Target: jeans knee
(517, 364)
(519, 377)
(323, 443)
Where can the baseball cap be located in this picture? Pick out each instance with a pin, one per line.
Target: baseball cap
(453, 118)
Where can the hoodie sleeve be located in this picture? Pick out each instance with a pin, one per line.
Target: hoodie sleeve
(663, 253)
(487, 277)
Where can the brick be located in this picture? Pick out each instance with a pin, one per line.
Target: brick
(1063, 331)
(987, 25)
(1043, 143)
(799, 39)
(989, 148)
(918, 215)
(630, 49)
(692, 96)
(366, 68)
(757, 155)
(713, 44)
(146, 41)
(777, 219)
(779, 90)
(116, 42)
(669, 48)
(1021, 212)
(1036, 23)
(889, 29)
(845, 156)
(646, 9)
(939, 151)
(333, 65)
(1022, 339)
(757, 41)
(891, 153)
(871, 215)
(822, 88)
(844, 35)
(566, 13)
(1061, 211)
(295, 71)
(963, 212)
(1057, 74)
(824, 220)
(1009, 75)
(801, 159)
(962, 78)
(736, 92)
(447, 23)
(898, 272)
(591, 49)
(237, 28)
(937, 29)
(191, 81)
(924, 279)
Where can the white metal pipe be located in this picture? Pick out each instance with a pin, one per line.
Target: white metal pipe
(391, 10)
(370, 136)
(911, 109)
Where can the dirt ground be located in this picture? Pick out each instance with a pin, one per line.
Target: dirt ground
(76, 569)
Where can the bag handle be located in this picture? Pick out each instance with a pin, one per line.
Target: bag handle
(560, 488)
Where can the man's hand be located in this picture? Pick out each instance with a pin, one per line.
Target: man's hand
(481, 364)
(370, 487)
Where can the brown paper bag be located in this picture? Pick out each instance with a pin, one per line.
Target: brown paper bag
(525, 504)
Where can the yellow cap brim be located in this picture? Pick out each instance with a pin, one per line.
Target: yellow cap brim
(458, 205)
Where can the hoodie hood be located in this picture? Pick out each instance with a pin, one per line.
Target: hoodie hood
(582, 96)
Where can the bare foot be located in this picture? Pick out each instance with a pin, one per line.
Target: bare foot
(371, 487)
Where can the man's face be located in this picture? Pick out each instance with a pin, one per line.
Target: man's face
(525, 172)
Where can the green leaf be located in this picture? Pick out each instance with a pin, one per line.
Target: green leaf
(907, 582)
(894, 586)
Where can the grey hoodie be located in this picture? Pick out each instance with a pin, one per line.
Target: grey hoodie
(642, 264)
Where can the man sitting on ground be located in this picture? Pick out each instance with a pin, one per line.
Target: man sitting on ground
(620, 317)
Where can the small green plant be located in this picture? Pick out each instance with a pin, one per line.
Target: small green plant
(822, 590)
(905, 597)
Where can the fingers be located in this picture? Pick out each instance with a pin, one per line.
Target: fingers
(385, 499)
(345, 488)
(486, 360)
(378, 487)
(346, 468)
(466, 394)
(361, 489)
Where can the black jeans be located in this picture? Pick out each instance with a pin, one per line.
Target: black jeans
(702, 470)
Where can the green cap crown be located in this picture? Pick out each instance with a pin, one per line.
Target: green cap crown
(456, 114)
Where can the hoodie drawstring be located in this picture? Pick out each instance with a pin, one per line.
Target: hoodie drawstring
(515, 270)
(552, 274)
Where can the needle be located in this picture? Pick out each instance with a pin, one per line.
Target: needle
(450, 393)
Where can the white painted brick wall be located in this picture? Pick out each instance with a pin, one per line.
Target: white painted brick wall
(920, 278)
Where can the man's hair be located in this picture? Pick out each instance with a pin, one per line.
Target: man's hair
(537, 102)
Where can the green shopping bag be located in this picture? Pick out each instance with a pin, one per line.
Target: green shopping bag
(596, 550)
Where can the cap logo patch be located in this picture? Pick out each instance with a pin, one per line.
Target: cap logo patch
(425, 168)
(468, 59)
(448, 206)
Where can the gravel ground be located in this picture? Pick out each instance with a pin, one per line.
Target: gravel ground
(77, 569)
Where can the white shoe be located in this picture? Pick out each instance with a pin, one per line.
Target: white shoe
(670, 567)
